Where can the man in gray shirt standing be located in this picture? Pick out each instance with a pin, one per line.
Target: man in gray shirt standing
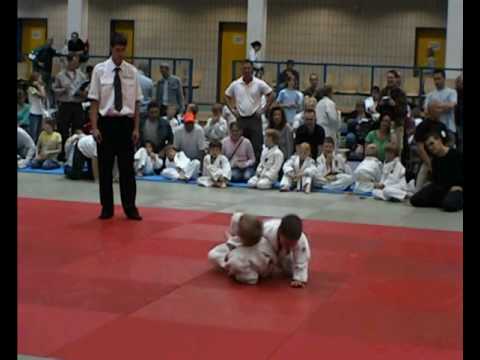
(447, 100)
(169, 90)
(70, 89)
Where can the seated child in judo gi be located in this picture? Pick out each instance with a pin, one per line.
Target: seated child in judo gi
(333, 172)
(393, 184)
(271, 162)
(146, 160)
(216, 167)
(368, 172)
(298, 170)
(178, 166)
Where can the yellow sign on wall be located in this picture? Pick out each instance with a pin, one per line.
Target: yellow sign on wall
(430, 50)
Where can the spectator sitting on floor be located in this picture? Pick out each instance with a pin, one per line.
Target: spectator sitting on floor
(155, 129)
(299, 170)
(368, 172)
(314, 89)
(271, 162)
(381, 136)
(178, 166)
(311, 133)
(190, 138)
(37, 100)
(25, 148)
(291, 100)
(299, 119)
(277, 120)
(357, 129)
(173, 118)
(192, 109)
(217, 127)
(446, 189)
(146, 160)
(431, 124)
(333, 172)
(48, 147)
(239, 151)
(23, 110)
(393, 184)
(216, 167)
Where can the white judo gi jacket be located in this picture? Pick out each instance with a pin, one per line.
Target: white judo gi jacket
(367, 173)
(393, 177)
(271, 162)
(294, 263)
(189, 167)
(342, 171)
(244, 263)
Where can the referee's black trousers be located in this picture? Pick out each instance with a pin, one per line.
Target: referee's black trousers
(116, 142)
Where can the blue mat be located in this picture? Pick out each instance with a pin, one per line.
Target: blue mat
(159, 178)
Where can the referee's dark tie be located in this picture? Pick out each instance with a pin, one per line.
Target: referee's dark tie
(117, 86)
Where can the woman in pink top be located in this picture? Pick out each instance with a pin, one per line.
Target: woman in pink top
(239, 151)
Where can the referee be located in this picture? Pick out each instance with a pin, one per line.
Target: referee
(115, 96)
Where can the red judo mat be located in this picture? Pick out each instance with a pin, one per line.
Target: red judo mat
(118, 289)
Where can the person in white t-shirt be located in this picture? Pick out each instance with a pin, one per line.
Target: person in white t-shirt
(255, 48)
(244, 99)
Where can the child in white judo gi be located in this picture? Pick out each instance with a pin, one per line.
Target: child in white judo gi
(217, 127)
(290, 246)
(298, 170)
(216, 167)
(246, 255)
(368, 172)
(393, 185)
(146, 160)
(178, 166)
(333, 172)
(271, 162)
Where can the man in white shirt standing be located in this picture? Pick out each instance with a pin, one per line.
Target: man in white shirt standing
(244, 99)
(115, 94)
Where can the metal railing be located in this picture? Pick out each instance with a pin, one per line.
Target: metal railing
(340, 75)
(181, 67)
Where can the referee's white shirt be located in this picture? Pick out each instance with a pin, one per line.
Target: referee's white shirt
(248, 97)
(101, 88)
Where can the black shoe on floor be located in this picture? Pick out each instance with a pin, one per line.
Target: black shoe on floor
(134, 215)
(105, 215)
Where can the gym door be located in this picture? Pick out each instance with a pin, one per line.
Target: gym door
(127, 28)
(231, 46)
